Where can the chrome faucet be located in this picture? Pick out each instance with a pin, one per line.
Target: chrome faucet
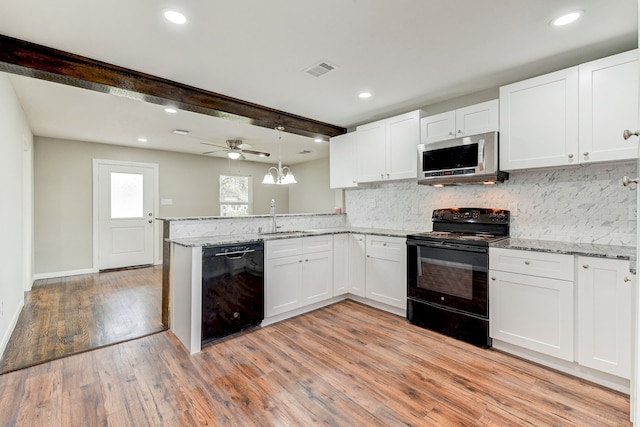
(272, 212)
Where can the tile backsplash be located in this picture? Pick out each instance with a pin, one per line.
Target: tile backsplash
(585, 204)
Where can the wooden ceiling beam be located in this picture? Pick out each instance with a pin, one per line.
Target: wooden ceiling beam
(42, 62)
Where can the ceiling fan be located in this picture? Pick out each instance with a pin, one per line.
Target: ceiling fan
(235, 149)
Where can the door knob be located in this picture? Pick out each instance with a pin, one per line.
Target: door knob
(628, 134)
(626, 181)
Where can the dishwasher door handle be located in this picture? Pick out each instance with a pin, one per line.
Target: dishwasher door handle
(241, 253)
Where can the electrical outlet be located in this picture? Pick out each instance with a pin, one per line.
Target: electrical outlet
(632, 213)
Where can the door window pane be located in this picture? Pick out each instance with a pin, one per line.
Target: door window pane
(126, 195)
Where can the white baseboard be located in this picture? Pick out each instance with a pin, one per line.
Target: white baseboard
(56, 274)
(12, 326)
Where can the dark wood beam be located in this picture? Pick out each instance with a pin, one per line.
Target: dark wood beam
(42, 62)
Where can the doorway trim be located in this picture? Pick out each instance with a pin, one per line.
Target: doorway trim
(96, 208)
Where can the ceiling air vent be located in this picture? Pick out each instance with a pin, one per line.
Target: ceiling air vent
(319, 69)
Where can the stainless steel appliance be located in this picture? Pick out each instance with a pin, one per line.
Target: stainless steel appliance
(468, 160)
(232, 288)
(447, 272)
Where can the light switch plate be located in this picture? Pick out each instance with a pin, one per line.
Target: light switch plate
(166, 202)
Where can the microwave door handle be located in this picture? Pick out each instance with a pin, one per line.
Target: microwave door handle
(481, 155)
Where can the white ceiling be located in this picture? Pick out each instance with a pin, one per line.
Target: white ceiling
(407, 53)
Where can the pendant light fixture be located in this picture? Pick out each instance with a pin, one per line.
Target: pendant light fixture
(283, 175)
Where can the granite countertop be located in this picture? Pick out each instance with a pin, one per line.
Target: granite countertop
(236, 218)
(572, 248)
(254, 237)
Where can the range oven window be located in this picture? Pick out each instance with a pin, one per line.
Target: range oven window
(451, 277)
(461, 156)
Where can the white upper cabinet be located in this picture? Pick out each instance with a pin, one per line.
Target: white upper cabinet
(539, 121)
(471, 120)
(608, 105)
(342, 161)
(387, 149)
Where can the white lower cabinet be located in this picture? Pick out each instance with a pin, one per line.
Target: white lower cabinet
(340, 264)
(386, 270)
(357, 264)
(302, 276)
(605, 315)
(532, 312)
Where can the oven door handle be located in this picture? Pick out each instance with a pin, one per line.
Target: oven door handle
(446, 245)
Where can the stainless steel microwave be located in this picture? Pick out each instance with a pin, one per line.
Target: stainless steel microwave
(468, 160)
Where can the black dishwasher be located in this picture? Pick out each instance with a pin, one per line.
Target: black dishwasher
(232, 288)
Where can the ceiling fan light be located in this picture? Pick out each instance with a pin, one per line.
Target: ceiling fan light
(233, 155)
(268, 179)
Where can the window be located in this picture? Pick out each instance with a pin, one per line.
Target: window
(236, 195)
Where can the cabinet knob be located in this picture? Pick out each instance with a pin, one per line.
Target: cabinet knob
(459, 131)
(451, 133)
(586, 154)
(626, 181)
(628, 134)
(306, 260)
(527, 262)
(300, 261)
(571, 156)
(585, 265)
(626, 279)
(493, 278)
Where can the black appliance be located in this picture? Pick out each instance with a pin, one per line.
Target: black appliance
(232, 289)
(447, 289)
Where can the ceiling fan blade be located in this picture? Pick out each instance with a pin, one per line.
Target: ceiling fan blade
(214, 145)
(244, 146)
(257, 153)
(214, 151)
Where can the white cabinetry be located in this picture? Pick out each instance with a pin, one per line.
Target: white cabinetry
(471, 120)
(298, 272)
(342, 161)
(605, 295)
(387, 149)
(357, 264)
(608, 105)
(539, 121)
(531, 301)
(386, 270)
(571, 116)
(340, 264)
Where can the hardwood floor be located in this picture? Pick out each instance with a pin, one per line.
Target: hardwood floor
(73, 314)
(343, 365)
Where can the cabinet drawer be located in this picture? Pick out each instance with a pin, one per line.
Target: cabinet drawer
(392, 248)
(282, 247)
(317, 243)
(542, 264)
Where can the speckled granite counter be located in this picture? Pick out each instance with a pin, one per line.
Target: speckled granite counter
(572, 248)
(241, 238)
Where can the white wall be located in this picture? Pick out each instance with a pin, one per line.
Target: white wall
(312, 193)
(16, 144)
(585, 204)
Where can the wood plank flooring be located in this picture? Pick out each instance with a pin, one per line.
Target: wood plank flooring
(343, 365)
(73, 314)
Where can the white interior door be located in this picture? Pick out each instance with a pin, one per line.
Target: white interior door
(125, 207)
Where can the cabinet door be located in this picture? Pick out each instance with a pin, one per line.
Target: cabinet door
(608, 105)
(532, 312)
(342, 161)
(402, 146)
(317, 277)
(478, 118)
(340, 264)
(539, 121)
(371, 151)
(357, 264)
(605, 315)
(283, 284)
(438, 127)
(386, 270)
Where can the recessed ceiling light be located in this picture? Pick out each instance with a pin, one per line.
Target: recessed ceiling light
(317, 140)
(180, 132)
(170, 110)
(142, 139)
(175, 17)
(365, 95)
(567, 18)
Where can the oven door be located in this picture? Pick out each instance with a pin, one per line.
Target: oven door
(450, 275)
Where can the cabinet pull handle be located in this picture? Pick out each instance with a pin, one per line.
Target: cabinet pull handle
(585, 266)
(626, 181)
(493, 278)
(586, 154)
(300, 261)
(628, 134)
(527, 262)
(451, 133)
(459, 131)
(571, 156)
(626, 279)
